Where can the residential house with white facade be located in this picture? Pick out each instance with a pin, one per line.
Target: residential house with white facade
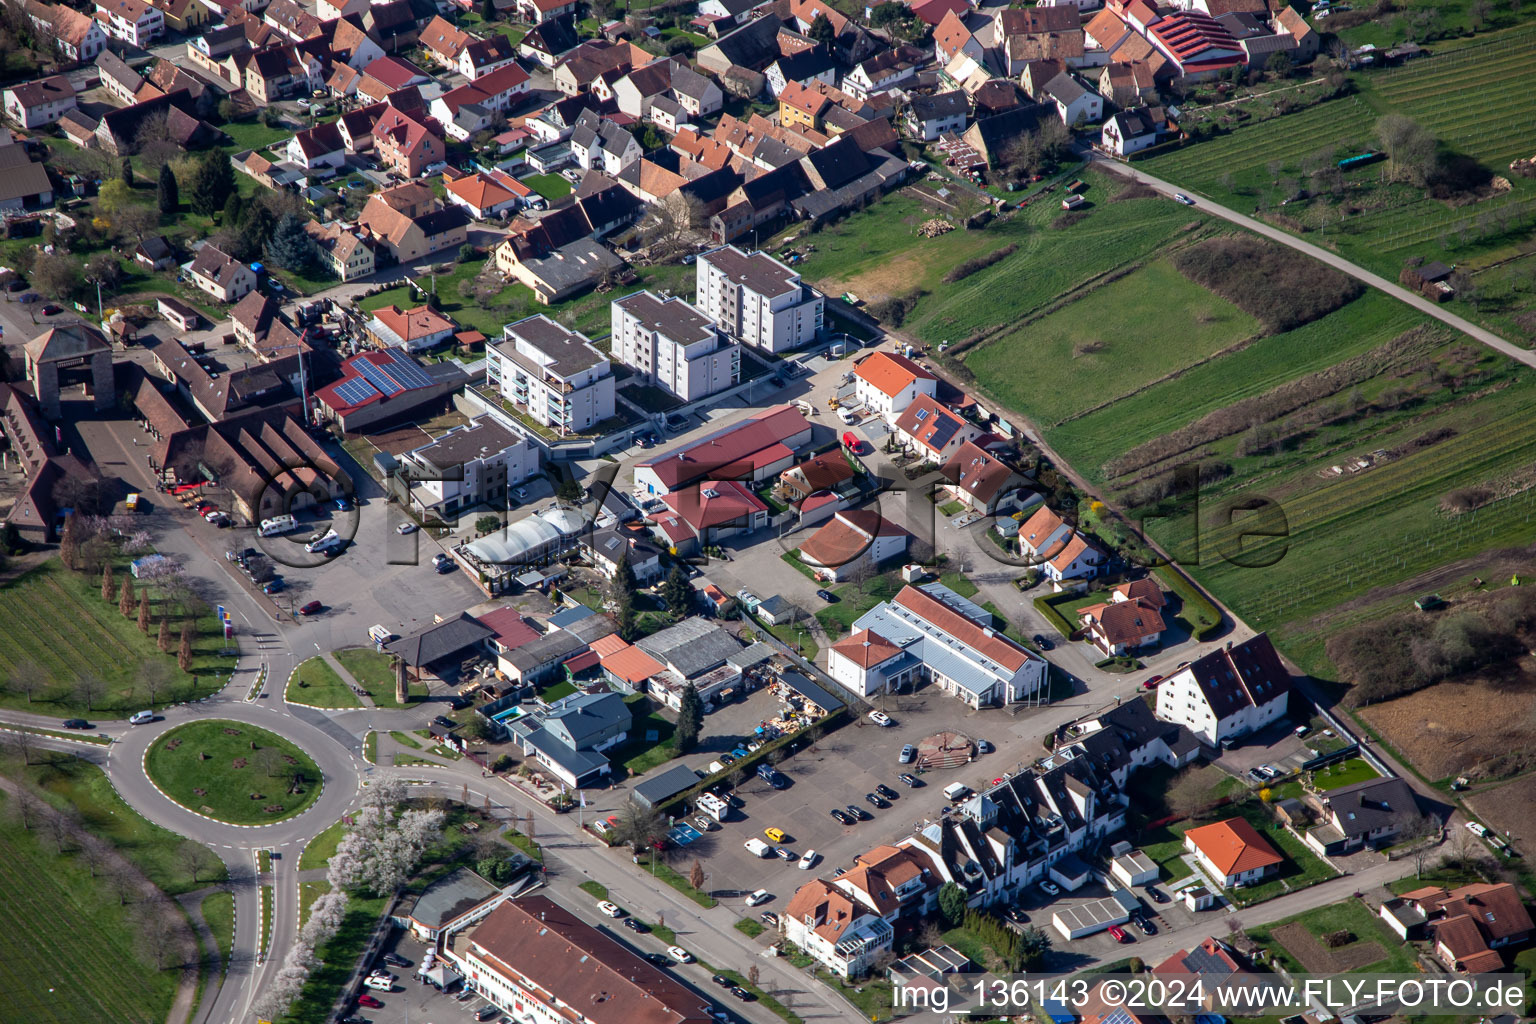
(845, 936)
(1227, 693)
(221, 275)
(469, 466)
(887, 382)
(44, 101)
(1060, 552)
(852, 540)
(132, 21)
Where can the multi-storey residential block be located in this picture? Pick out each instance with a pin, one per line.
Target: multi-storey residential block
(756, 299)
(673, 344)
(557, 376)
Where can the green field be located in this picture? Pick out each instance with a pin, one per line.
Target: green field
(242, 761)
(1345, 773)
(70, 951)
(1353, 916)
(1094, 438)
(219, 912)
(81, 788)
(374, 672)
(58, 629)
(318, 685)
(1106, 343)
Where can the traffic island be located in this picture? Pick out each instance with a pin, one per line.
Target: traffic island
(233, 772)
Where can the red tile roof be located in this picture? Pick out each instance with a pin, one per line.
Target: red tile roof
(1233, 846)
(742, 445)
(511, 629)
(714, 503)
(890, 373)
(973, 634)
(846, 537)
(866, 648)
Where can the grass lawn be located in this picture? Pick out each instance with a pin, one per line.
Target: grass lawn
(596, 890)
(959, 583)
(317, 684)
(219, 911)
(750, 928)
(373, 672)
(80, 787)
(952, 508)
(1105, 344)
(1439, 874)
(550, 186)
(371, 747)
(321, 848)
(553, 692)
(60, 915)
(336, 960)
(523, 843)
(226, 784)
(58, 629)
(1166, 846)
(651, 745)
(1352, 916)
(308, 893)
(853, 600)
(1300, 868)
(266, 917)
(1345, 773)
(404, 739)
(253, 134)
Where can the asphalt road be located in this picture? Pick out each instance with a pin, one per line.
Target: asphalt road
(1417, 301)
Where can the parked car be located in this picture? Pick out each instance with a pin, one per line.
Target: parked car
(1477, 828)
(886, 791)
(1256, 775)
(769, 917)
(486, 1012)
(842, 816)
(274, 586)
(1151, 684)
(609, 910)
(638, 927)
(1158, 896)
(395, 960)
(140, 717)
(785, 853)
(1118, 934)
(760, 896)
(858, 813)
(703, 823)
(876, 800)
(370, 1001)
(1042, 641)
(907, 755)
(52, 309)
(1049, 887)
(311, 608)
(680, 954)
(826, 595)
(984, 747)
(721, 980)
(376, 982)
(76, 723)
(880, 718)
(1016, 915)
(1146, 925)
(910, 780)
(656, 959)
(742, 994)
(404, 528)
(808, 860)
(1181, 197)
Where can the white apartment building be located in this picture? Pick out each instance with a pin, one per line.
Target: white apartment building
(825, 922)
(468, 466)
(132, 21)
(557, 376)
(756, 299)
(673, 344)
(1227, 693)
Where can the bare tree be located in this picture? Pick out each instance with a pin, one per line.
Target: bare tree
(59, 827)
(696, 875)
(25, 678)
(89, 689)
(752, 975)
(155, 675)
(19, 744)
(94, 854)
(27, 808)
(124, 882)
(194, 858)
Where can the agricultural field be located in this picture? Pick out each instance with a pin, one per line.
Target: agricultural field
(1507, 810)
(1445, 730)
(60, 630)
(1457, 94)
(233, 772)
(59, 915)
(1104, 344)
(877, 253)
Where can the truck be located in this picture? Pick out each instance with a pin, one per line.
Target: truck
(758, 848)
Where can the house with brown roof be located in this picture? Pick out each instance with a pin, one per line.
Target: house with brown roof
(1233, 853)
(841, 933)
(933, 430)
(317, 148)
(343, 251)
(1468, 925)
(1290, 21)
(221, 275)
(536, 12)
(1119, 626)
(414, 330)
(252, 318)
(78, 36)
(829, 471)
(978, 478)
(406, 222)
(534, 953)
(854, 540)
(39, 102)
(407, 144)
(132, 21)
(1228, 693)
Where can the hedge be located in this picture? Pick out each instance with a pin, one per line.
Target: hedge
(1196, 606)
(1046, 608)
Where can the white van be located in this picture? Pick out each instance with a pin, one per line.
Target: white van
(758, 848)
(276, 525)
(956, 791)
(140, 717)
(380, 635)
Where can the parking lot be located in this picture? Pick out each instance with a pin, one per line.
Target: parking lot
(1277, 746)
(838, 770)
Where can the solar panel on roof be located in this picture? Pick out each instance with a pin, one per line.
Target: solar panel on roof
(377, 377)
(944, 428)
(355, 391)
(407, 374)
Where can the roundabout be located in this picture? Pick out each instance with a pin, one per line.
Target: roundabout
(233, 772)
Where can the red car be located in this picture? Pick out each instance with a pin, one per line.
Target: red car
(310, 609)
(369, 1001)
(1118, 934)
(1151, 684)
